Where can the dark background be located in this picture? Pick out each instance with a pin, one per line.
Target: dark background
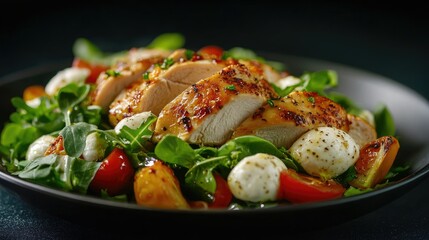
(389, 39)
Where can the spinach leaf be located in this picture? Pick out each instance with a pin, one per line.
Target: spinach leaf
(200, 175)
(75, 137)
(83, 173)
(319, 81)
(174, 150)
(346, 103)
(347, 176)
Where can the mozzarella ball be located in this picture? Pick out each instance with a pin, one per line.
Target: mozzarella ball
(39, 147)
(95, 147)
(325, 152)
(64, 77)
(134, 121)
(256, 178)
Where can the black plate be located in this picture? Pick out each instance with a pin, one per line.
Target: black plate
(410, 111)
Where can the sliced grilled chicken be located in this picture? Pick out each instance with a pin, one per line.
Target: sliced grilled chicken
(269, 73)
(111, 82)
(207, 112)
(283, 121)
(141, 96)
(191, 72)
(360, 130)
(163, 86)
(138, 54)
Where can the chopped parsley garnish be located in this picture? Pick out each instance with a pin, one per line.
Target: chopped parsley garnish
(311, 99)
(112, 73)
(167, 63)
(270, 102)
(230, 87)
(146, 76)
(189, 54)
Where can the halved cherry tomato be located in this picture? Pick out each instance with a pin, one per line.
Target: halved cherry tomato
(374, 162)
(95, 69)
(222, 196)
(115, 175)
(212, 51)
(300, 188)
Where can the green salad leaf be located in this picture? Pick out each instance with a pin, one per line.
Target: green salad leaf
(168, 41)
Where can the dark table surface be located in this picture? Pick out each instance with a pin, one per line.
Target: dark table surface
(391, 40)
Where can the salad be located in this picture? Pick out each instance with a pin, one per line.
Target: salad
(164, 126)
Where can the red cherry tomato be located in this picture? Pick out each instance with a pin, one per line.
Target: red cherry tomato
(300, 188)
(95, 69)
(115, 174)
(222, 195)
(212, 51)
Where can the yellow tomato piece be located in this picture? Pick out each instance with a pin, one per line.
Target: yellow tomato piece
(157, 186)
(375, 160)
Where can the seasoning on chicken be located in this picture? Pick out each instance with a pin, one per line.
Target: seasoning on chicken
(111, 82)
(208, 112)
(283, 121)
(160, 88)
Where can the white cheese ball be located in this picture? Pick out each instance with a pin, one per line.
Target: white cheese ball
(256, 178)
(95, 147)
(39, 147)
(325, 152)
(64, 77)
(134, 121)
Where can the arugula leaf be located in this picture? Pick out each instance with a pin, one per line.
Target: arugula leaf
(384, 124)
(136, 138)
(39, 168)
(69, 97)
(168, 41)
(52, 170)
(201, 174)
(243, 146)
(63, 172)
(43, 117)
(75, 137)
(319, 82)
(285, 91)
